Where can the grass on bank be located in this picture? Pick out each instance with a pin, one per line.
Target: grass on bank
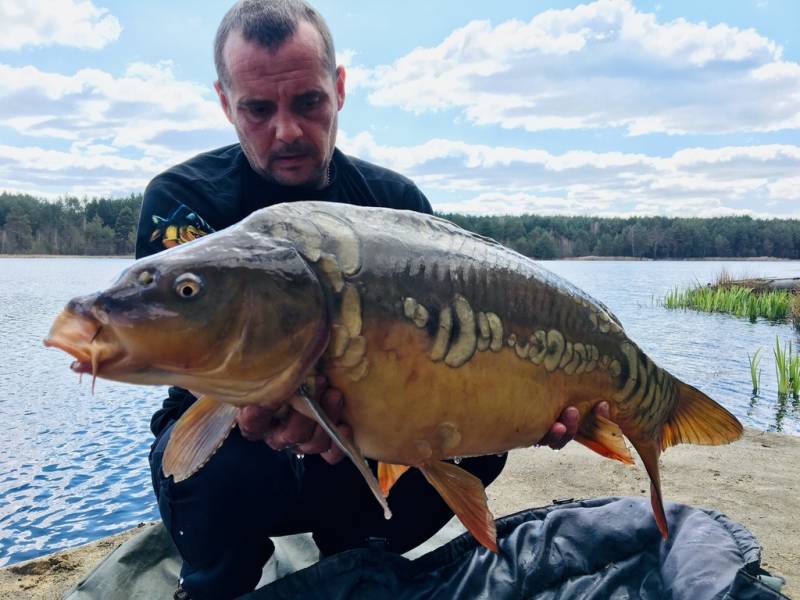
(774, 305)
(728, 295)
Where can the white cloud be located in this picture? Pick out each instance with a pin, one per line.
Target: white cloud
(355, 76)
(146, 110)
(500, 180)
(785, 189)
(79, 171)
(91, 133)
(55, 22)
(603, 64)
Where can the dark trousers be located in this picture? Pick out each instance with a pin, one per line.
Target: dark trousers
(222, 517)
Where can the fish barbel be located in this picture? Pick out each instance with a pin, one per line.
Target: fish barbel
(444, 343)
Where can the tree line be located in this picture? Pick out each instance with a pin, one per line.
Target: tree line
(553, 237)
(107, 226)
(97, 226)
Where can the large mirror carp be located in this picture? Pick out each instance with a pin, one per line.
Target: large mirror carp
(444, 343)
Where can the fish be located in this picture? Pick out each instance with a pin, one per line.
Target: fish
(445, 344)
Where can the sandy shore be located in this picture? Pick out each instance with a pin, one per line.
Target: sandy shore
(755, 481)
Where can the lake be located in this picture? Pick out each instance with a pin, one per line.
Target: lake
(73, 465)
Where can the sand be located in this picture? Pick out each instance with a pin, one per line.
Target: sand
(755, 481)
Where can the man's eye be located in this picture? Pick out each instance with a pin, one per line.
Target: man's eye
(258, 111)
(310, 102)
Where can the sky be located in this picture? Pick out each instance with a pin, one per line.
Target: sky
(610, 108)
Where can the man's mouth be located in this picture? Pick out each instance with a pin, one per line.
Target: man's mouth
(290, 159)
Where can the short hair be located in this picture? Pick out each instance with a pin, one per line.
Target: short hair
(269, 23)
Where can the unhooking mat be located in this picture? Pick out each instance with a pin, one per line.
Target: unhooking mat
(598, 549)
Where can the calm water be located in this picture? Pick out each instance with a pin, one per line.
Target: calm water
(73, 466)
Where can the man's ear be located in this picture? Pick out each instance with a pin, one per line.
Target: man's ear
(340, 77)
(223, 100)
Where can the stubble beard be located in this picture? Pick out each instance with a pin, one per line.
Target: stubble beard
(318, 177)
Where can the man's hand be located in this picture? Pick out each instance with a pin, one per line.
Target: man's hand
(296, 431)
(566, 427)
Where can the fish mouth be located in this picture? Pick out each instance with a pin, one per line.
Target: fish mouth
(79, 337)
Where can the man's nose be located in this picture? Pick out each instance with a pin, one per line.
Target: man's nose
(287, 129)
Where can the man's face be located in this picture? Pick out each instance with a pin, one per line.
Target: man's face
(284, 106)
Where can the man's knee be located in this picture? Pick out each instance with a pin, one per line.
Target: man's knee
(220, 517)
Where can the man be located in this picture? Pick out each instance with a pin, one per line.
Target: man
(281, 89)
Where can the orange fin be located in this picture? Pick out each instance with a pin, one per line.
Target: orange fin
(697, 419)
(197, 435)
(649, 452)
(465, 495)
(604, 437)
(388, 474)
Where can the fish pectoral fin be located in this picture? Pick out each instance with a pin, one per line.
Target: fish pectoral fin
(649, 452)
(604, 437)
(310, 406)
(196, 436)
(465, 495)
(388, 474)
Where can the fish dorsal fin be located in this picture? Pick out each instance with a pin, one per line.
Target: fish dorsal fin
(465, 495)
(697, 419)
(311, 407)
(196, 436)
(388, 474)
(604, 437)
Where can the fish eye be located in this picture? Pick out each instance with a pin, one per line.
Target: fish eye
(188, 285)
(145, 278)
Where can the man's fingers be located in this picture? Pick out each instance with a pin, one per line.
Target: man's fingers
(601, 409)
(553, 436)
(570, 417)
(332, 402)
(297, 429)
(320, 442)
(334, 454)
(255, 421)
(563, 430)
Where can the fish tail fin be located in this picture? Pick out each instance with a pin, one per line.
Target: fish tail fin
(649, 451)
(465, 495)
(697, 419)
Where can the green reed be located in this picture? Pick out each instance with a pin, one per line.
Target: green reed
(740, 301)
(782, 355)
(755, 369)
(794, 374)
(794, 311)
(787, 369)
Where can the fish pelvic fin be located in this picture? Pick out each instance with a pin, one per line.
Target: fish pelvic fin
(196, 436)
(604, 437)
(465, 495)
(307, 405)
(697, 419)
(388, 474)
(649, 452)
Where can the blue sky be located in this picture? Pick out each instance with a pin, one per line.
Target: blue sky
(613, 107)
